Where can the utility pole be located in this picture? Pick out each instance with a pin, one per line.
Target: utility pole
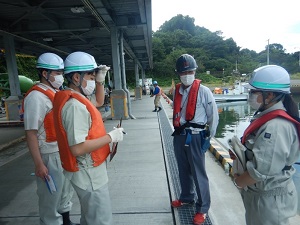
(268, 53)
(298, 48)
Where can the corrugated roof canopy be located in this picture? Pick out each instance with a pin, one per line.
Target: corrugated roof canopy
(65, 26)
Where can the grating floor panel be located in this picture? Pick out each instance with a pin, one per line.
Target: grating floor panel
(184, 214)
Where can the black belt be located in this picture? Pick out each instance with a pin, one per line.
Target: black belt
(287, 168)
(178, 130)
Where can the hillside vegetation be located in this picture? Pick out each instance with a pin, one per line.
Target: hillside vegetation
(221, 57)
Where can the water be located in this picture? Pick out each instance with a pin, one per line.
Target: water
(234, 119)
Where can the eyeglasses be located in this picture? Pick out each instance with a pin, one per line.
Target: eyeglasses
(254, 92)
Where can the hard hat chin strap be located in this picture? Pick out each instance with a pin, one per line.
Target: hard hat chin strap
(48, 74)
(80, 84)
(279, 97)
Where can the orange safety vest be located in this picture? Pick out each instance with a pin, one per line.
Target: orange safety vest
(48, 120)
(192, 100)
(265, 118)
(97, 130)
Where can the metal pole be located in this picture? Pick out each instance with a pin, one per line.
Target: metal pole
(268, 53)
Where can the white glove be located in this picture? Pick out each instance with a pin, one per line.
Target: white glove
(100, 76)
(116, 134)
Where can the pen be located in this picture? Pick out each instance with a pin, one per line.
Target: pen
(122, 131)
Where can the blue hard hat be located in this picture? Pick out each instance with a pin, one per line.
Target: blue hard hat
(154, 82)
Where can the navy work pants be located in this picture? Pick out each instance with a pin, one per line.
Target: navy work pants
(191, 166)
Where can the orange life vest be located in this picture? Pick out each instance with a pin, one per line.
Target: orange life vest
(192, 101)
(48, 120)
(265, 118)
(97, 130)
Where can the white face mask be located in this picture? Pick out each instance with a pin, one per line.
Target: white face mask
(58, 81)
(187, 80)
(90, 87)
(253, 101)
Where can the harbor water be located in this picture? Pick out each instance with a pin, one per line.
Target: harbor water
(234, 119)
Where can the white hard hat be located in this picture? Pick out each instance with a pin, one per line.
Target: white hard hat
(79, 61)
(50, 61)
(270, 78)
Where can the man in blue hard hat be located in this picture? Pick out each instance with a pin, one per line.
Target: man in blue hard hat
(157, 93)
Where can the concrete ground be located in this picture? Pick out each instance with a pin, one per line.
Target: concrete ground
(139, 185)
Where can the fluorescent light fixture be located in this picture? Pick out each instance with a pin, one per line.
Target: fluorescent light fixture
(48, 39)
(77, 9)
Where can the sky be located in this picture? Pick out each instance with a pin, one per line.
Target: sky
(250, 23)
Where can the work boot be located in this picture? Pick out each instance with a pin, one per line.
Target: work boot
(154, 110)
(177, 203)
(66, 219)
(159, 108)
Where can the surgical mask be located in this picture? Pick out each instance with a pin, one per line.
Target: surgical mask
(187, 80)
(58, 81)
(90, 87)
(253, 101)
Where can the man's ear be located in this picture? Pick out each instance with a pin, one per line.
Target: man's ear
(44, 74)
(76, 77)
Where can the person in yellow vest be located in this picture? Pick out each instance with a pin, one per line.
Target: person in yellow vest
(195, 121)
(82, 138)
(41, 139)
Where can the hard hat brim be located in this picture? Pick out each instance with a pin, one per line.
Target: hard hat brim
(249, 86)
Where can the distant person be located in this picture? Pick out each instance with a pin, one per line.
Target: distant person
(2, 107)
(144, 90)
(82, 138)
(41, 139)
(195, 120)
(107, 94)
(157, 93)
(272, 147)
(151, 88)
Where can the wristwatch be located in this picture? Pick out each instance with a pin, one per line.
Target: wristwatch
(100, 83)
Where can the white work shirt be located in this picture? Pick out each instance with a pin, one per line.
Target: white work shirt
(206, 108)
(77, 122)
(36, 107)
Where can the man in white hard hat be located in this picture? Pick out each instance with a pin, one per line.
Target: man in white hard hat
(82, 138)
(54, 205)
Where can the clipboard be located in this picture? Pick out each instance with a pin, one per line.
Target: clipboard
(115, 144)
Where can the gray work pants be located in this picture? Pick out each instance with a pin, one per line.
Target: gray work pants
(95, 206)
(191, 167)
(51, 205)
